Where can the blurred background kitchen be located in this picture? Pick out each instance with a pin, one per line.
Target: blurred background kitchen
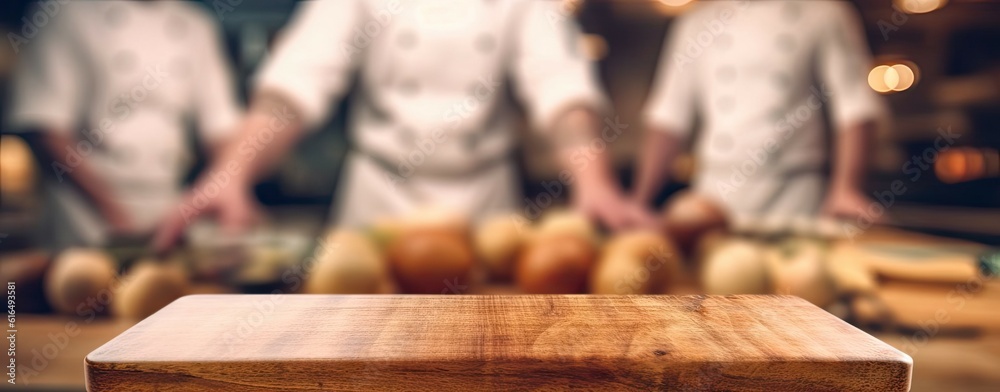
(936, 63)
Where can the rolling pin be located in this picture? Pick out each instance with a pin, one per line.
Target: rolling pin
(924, 263)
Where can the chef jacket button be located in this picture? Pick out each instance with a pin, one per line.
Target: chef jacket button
(782, 80)
(722, 142)
(725, 104)
(409, 87)
(406, 39)
(115, 16)
(122, 156)
(726, 74)
(168, 161)
(471, 141)
(124, 61)
(777, 114)
(180, 67)
(791, 11)
(724, 41)
(852, 77)
(406, 136)
(785, 42)
(176, 27)
(481, 93)
(485, 43)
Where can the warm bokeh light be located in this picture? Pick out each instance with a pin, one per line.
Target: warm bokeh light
(965, 164)
(17, 166)
(919, 6)
(570, 7)
(487, 185)
(904, 77)
(672, 7)
(891, 78)
(876, 78)
(951, 166)
(974, 163)
(675, 3)
(684, 168)
(594, 47)
(895, 77)
(991, 162)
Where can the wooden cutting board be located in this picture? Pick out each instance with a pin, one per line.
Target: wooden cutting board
(436, 343)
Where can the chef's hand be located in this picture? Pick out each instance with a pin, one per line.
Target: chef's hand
(233, 205)
(609, 206)
(850, 204)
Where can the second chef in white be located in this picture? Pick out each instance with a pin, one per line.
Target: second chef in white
(431, 123)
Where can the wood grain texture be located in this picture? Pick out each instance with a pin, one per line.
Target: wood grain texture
(434, 343)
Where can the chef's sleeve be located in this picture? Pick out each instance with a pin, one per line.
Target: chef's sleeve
(672, 98)
(844, 61)
(218, 110)
(313, 58)
(46, 94)
(548, 71)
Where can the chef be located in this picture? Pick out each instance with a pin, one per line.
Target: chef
(761, 74)
(107, 90)
(431, 123)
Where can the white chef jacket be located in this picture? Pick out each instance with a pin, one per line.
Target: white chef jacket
(759, 72)
(143, 69)
(431, 123)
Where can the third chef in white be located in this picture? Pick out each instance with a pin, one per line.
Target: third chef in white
(761, 74)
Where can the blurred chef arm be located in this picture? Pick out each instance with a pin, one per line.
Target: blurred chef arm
(47, 102)
(656, 157)
(669, 114)
(595, 189)
(845, 197)
(561, 92)
(218, 111)
(269, 130)
(856, 110)
(310, 67)
(307, 70)
(54, 147)
(225, 189)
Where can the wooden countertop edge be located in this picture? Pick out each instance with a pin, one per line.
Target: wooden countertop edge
(891, 376)
(892, 364)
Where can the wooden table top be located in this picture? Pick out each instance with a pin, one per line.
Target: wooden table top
(329, 342)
